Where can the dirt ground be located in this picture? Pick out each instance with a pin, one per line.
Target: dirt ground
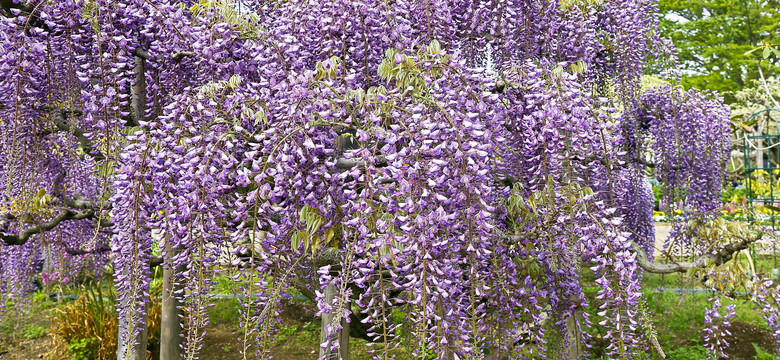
(743, 336)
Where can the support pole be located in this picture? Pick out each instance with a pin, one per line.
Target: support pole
(139, 340)
(170, 323)
(342, 336)
(573, 345)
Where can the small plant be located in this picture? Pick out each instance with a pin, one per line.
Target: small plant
(33, 331)
(285, 332)
(81, 349)
(763, 355)
(225, 311)
(40, 297)
(310, 326)
(225, 285)
(688, 353)
(288, 330)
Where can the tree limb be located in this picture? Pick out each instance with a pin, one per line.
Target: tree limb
(64, 215)
(59, 117)
(653, 165)
(718, 257)
(155, 261)
(181, 54)
(346, 164)
(177, 56)
(101, 249)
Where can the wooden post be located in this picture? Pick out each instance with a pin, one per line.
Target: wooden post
(343, 143)
(759, 145)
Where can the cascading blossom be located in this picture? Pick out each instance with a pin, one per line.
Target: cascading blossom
(767, 297)
(452, 161)
(716, 328)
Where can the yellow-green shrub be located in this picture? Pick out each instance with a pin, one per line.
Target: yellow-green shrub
(87, 328)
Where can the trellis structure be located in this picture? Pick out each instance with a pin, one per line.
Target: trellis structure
(761, 151)
(762, 162)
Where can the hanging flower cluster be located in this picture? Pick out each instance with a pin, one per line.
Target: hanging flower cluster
(456, 162)
(767, 297)
(716, 329)
(681, 126)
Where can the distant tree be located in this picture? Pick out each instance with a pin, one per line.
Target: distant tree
(712, 37)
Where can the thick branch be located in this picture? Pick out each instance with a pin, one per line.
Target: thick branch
(181, 54)
(80, 202)
(141, 53)
(652, 165)
(155, 261)
(99, 250)
(717, 257)
(65, 215)
(144, 55)
(6, 7)
(502, 84)
(59, 116)
(81, 208)
(346, 164)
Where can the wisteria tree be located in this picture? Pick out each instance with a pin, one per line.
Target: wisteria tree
(457, 162)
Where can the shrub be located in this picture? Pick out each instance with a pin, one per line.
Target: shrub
(87, 328)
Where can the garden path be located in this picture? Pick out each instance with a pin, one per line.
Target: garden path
(662, 231)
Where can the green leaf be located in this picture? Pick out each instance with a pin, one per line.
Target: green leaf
(435, 47)
(767, 51)
(315, 243)
(296, 240)
(329, 234)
